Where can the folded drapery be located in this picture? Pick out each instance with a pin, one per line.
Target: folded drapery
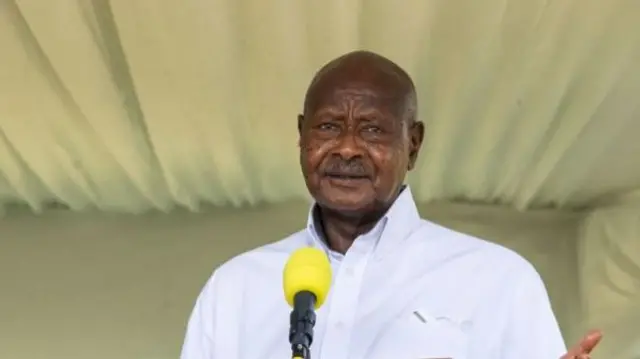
(609, 271)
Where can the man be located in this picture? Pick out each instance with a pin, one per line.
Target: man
(403, 287)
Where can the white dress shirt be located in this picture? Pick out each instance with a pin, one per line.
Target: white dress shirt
(408, 289)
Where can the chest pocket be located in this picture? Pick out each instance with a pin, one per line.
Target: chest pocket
(420, 335)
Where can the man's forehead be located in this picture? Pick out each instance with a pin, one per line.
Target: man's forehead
(363, 93)
(355, 91)
(363, 77)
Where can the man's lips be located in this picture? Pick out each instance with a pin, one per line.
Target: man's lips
(346, 176)
(346, 180)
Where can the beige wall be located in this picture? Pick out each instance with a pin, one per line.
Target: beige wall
(78, 286)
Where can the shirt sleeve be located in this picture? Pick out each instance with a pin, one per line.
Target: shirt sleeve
(198, 342)
(532, 331)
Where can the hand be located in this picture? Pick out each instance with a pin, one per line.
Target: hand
(585, 346)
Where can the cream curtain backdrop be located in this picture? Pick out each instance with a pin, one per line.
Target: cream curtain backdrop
(126, 106)
(609, 262)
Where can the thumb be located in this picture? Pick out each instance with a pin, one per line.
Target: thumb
(589, 341)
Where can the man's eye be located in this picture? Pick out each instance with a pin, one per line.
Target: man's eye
(327, 126)
(373, 129)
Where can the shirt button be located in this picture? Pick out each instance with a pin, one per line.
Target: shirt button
(340, 325)
(350, 272)
(466, 326)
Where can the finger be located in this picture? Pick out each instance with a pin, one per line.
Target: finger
(591, 340)
(574, 356)
(587, 343)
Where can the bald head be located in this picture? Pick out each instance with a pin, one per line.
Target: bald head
(358, 133)
(364, 69)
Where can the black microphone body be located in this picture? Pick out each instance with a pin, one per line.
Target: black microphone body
(302, 321)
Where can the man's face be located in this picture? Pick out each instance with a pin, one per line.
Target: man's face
(355, 147)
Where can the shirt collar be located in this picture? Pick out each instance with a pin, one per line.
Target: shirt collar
(401, 219)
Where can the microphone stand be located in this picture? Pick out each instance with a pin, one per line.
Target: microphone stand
(302, 321)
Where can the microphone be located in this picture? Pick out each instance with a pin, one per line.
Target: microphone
(306, 280)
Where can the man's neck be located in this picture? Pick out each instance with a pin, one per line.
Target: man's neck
(340, 230)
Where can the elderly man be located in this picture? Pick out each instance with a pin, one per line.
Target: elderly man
(403, 287)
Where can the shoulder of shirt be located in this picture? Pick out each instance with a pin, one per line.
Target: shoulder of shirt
(263, 257)
(489, 255)
(490, 272)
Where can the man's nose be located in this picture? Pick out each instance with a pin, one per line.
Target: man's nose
(348, 146)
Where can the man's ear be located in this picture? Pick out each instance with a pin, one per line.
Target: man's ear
(300, 119)
(416, 135)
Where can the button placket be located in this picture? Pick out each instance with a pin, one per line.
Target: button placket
(344, 304)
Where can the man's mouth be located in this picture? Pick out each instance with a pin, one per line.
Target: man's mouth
(346, 178)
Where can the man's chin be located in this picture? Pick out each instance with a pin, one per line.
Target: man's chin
(356, 197)
(346, 204)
